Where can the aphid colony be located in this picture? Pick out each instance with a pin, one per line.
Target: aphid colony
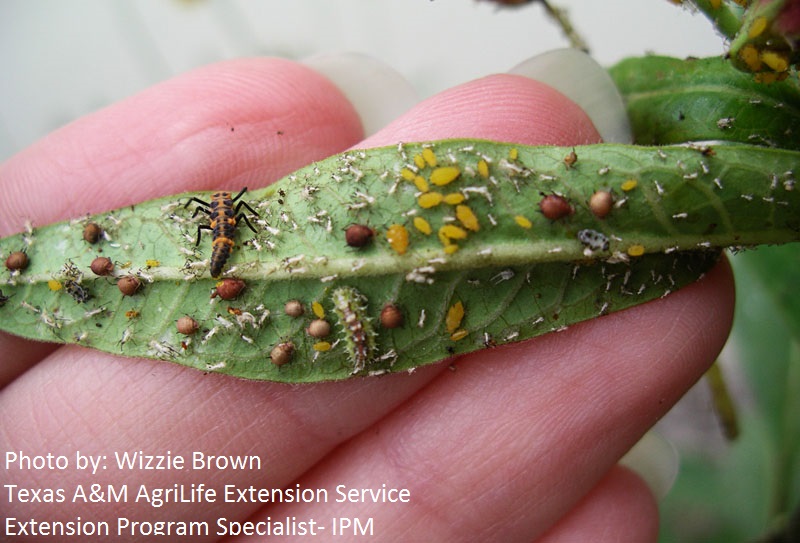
(363, 264)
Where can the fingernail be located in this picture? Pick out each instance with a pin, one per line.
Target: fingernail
(379, 93)
(656, 461)
(581, 79)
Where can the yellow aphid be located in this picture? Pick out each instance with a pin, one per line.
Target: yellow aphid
(483, 169)
(322, 346)
(454, 198)
(397, 236)
(465, 215)
(758, 27)
(430, 199)
(422, 225)
(459, 334)
(776, 61)
(419, 161)
(429, 157)
(513, 154)
(629, 185)
(444, 175)
(451, 231)
(454, 317)
(770, 77)
(421, 184)
(54, 285)
(751, 58)
(407, 174)
(523, 222)
(152, 263)
(318, 310)
(636, 250)
(450, 248)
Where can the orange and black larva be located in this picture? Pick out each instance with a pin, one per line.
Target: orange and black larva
(223, 216)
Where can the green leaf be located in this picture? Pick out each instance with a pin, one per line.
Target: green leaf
(484, 242)
(674, 101)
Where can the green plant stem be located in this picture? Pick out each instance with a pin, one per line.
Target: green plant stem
(727, 18)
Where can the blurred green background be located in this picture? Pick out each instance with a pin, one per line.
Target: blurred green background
(740, 490)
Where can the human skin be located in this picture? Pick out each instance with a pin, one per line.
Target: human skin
(515, 443)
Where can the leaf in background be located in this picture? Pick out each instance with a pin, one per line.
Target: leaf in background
(512, 233)
(673, 101)
(745, 489)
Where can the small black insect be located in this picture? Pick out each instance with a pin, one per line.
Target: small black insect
(78, 293)
(3, 298)
(223, 216)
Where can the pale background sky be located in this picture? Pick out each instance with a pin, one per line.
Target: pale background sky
(62, 59)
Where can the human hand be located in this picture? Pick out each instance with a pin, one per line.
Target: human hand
(516, 443)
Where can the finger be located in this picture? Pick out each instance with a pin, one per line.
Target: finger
(499, 107)
(509, 442)
(235, 124)
(238, 123)
(619, 508)
(290, 428)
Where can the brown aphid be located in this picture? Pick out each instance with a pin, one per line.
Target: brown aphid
(282, 353)
(555, 207)
(319, 328)
(92, 232)
(187, 325)
(294, 308)
(228, 289)
(102, 266)
(570, 159)
(601, 203)
(358, 235)
(128, 285)
(392, 316)
(17, 260)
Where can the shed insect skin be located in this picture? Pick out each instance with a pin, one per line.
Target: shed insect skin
(224, 213)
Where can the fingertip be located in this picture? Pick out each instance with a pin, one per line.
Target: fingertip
(620, 508)
(499, 107)
(580, 78)
(243, 122)
(377, 92)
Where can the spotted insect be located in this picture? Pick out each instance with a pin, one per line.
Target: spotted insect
(224, 213)
(78, 293)
(351, 306)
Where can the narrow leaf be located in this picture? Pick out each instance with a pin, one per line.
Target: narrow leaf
(517, 268)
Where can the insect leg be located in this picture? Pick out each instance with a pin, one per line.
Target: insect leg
(196, 200)
(243, 217)
(202, 207)
(244, 204)
(201, 227)
(239, 195)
